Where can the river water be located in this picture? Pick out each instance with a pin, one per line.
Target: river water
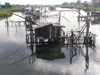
(16, 56)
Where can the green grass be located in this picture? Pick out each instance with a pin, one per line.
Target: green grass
(4, 14)
(13, 9)
(90, 8)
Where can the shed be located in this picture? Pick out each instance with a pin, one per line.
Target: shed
(52, 8)
(95, 13)
(48, 31)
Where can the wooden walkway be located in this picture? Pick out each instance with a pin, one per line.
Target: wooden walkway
(14, 23)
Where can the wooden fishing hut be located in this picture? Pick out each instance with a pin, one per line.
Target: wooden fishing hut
(36, 14)
(27, 10)
(50, 31)
(95, 13)
(52, 8)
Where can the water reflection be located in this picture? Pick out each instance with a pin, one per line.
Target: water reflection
(46, 59)
(44, 51)
(86, 59)
(7, 30)
(53, 52)
(85, 54)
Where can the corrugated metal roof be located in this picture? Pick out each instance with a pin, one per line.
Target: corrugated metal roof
(47, 24)
(43, 25)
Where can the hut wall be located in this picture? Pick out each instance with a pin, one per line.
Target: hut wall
(48, 32)
(43, 32)
(55, 33)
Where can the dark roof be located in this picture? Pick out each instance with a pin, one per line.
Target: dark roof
(47, 24)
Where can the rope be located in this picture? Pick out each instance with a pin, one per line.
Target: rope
(12, 53)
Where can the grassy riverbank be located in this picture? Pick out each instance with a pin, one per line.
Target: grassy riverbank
(13, 9)
(4, 14)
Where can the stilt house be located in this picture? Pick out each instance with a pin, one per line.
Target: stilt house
(49, 31)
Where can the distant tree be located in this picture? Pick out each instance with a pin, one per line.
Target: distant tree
(78, 2)
(65, 3)
(97, 4)
(72, 3)
(86, 5)
(6, 3)
(27, 5)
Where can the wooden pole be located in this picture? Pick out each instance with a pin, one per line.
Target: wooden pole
(94, 15)
(50, 32)
(7, 18)
(88, 25)
(79, 15)
(87, 59)
(71, 46)
(59, 17)
(71, 40)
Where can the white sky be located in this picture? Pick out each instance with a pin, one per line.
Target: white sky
(38, 1)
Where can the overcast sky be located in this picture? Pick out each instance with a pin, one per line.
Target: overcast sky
(38, 1)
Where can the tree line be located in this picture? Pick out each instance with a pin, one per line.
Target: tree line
(79, 3)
